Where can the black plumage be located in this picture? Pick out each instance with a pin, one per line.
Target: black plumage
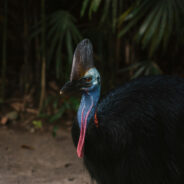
(140, 134)
(140, 138)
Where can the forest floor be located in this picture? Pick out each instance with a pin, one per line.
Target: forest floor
(39, 158)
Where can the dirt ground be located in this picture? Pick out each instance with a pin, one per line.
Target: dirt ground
(38, 158)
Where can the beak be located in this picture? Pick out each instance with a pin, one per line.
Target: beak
(68, 88)
(74, 86)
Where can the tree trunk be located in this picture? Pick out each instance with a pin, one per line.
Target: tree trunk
(4, 49)
(43, 67)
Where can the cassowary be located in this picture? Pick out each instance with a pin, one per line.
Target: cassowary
(133, 135)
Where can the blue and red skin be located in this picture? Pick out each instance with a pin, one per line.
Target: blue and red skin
(86, 111)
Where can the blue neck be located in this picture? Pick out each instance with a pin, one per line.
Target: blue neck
(88, 104)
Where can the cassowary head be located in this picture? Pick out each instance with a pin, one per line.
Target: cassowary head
(85, 78)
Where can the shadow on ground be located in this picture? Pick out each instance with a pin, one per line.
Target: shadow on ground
(39, 158)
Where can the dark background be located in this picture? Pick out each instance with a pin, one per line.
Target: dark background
(130, 39)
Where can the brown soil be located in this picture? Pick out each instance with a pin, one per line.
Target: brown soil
(38, 158)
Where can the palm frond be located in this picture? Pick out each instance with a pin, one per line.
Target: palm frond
(62, 33)
(110, 10)
(84, 7)
(114, 14)
(94, 7)
(156, 21)
(105, 10)
(145, 67)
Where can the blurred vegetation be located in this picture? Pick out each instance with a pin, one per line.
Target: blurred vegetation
(130, 38)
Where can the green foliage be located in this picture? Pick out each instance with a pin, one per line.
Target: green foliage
(146, 68)
(143, 68)
(62, 31)
(110, 7)
(84, 7)
(37, 124)
(146, 35)
(94, 5)
(58, 108)
(155, 22)
(54, 131)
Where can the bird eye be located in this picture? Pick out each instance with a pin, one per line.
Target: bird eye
(88, 79)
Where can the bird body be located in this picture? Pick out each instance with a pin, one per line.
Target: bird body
(140, 138)
(140, 134)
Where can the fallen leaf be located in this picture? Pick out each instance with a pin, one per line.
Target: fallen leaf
(33, 111)
(4, 120)
(27, 147)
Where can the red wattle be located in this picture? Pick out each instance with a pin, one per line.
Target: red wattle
(81, 138)
(80, 146)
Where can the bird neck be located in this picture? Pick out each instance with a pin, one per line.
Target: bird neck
(86, 111)
(87, 108)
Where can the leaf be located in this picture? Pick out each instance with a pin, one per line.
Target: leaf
(133, 66)
(156, 68)
(93, 7)
(139, 72)
(57, 115)
(114, 14)
(43, 115)
(158, 37)
(134, 16)
(147, 71)
(139, 10)
(154, 41)
(121, 19)
(148, 21)
(24, 146)
(54, 131)
(105, 11)
(62, 31)
(4, 120)
(170, 22)
(55, 104)
(127, 27)
(37, 124)
(84, 6)
(152, 28)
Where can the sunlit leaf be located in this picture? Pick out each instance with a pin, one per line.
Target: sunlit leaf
(124, 15)
(37, 124)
